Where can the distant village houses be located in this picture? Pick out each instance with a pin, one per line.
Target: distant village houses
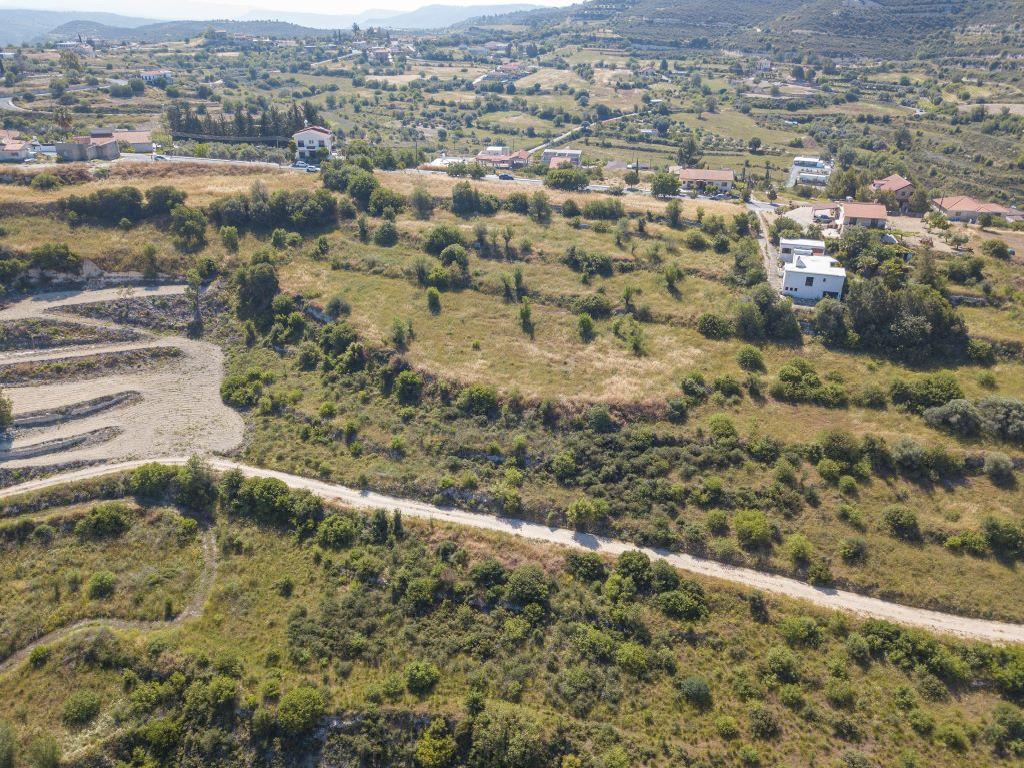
(501, 157)
(150, 76)
(76, 47)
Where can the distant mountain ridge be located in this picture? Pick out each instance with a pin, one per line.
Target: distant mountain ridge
(166, 31)
(436, 16)
(23, 26)
(20, 26)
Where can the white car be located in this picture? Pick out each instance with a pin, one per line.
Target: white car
(298, 164)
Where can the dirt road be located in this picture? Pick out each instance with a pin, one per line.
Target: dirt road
(179, 408)
(835, 599)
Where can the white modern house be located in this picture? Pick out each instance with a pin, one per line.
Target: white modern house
(812, 278)
(310, 140)
(792, 247)
(150, 76)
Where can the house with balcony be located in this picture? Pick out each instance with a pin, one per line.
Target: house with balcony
(313, 142)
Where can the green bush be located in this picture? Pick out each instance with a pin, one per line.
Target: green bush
(386, 234)
(440, 237)
(695, 691)
(479, 400)
(752, 529)
(105, 521)
(433, 300)
(101, 585)
(714, 326)
(421, 677)
(749, 358)
(80, 708)
(901, 523)
(300, 710)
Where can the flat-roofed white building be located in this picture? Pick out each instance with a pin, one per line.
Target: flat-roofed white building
(812, 278)
(791, 247)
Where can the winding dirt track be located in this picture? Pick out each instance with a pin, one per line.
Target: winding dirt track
(179, 408)
(835, 599)
(193, 609)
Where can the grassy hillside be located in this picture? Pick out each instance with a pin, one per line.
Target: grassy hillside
(340, 639)
(557, 368)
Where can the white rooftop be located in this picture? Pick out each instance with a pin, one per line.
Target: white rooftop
(796, 242)
(816, 265)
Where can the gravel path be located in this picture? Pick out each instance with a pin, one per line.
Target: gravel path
(824, 597)
(193, 609)
(180, 409)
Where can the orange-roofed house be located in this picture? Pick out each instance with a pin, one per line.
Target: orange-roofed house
(967, 209)
(871, 215)
(902, 189)
(14, 150)
(502, 157)
(139, 141)
(701, 179)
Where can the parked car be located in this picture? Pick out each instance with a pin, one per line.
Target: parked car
(298, 164)
(312, 169)
(160, 158)
(506, 176)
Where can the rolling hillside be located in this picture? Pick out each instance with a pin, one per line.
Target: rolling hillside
(826, 26)
(178, 30)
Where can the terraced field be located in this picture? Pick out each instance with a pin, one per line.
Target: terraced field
(155, 395)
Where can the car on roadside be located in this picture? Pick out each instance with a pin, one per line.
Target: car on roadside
(160, 158)
(312, 169)
(299, 164)
(506, 177)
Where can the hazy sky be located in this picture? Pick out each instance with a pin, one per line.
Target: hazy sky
(195, 9)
